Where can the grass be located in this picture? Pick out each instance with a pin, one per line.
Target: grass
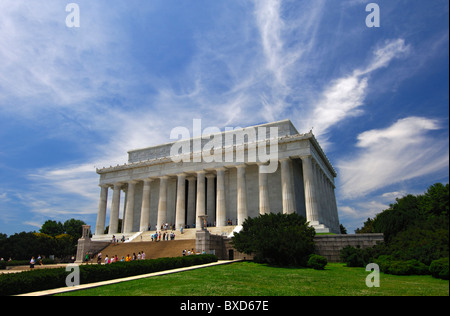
(252, 279)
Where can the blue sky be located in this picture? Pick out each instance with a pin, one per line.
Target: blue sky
(73, 99)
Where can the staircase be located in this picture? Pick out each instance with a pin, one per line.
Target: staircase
(159, 249)
(153, 250)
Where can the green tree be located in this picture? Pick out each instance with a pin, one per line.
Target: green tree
(280, 239)
(73, 227)
(436, 200)
(52, 228)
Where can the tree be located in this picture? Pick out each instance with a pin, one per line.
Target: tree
(415, 227)
(73, 227)
(436, 200)
(52, 228)
(280, 239)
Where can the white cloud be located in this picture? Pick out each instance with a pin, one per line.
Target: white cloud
(344, 97)
(403, 151)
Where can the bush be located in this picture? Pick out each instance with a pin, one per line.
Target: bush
(439, 268)
(410, 267)
(356, 257)
(384, 263)
(44, 279)
(317, 262)
(278, 239)
(389, 265)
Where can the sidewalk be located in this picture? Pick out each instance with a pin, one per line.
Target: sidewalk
(97, 284)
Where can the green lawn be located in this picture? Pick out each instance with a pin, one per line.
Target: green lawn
(252, 279)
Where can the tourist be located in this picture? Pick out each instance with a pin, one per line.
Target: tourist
(184, 252)
(143, 255)
(99, 258)
(86, 258)
(32, 262)
(128, 258)
(106, 259)
(116, 259)
(139, 255)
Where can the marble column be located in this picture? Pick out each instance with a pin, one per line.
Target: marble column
(145, 209)
(242, 211)
(310, 191)
(101, 214)
(264, 205)
(180, 215)
(129, 216)
(210, 198)
(162, 204)
(191, 201)
(201, 206)
(221, 208)
(287, 187)
(115, 207)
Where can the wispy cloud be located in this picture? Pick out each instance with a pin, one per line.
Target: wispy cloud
(345, 96)
(405, 150)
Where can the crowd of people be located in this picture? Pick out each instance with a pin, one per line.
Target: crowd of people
(128, 258)
(164, 236)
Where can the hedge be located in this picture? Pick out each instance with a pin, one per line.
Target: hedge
(45, 279)
(439, 268)
(4, 263)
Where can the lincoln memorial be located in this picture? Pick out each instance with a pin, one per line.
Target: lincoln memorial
(227, 175)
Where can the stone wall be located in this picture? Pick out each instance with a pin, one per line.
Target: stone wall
(218, 245)
(330, 246)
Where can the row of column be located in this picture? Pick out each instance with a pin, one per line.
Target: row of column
(214, 201)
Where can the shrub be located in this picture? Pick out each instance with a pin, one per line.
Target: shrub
(278, 239)
(44, 279)
(388, 265)
(384, 263)
(439, 268)
(356, 257)
(317, 262)
(410, 267)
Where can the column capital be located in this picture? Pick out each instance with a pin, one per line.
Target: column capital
(117, 185)
(210, 175)
(241, 166)
(201, 172)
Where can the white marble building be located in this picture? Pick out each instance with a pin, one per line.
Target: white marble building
(228, 176)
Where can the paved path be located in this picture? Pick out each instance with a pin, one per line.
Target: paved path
(97, 284)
